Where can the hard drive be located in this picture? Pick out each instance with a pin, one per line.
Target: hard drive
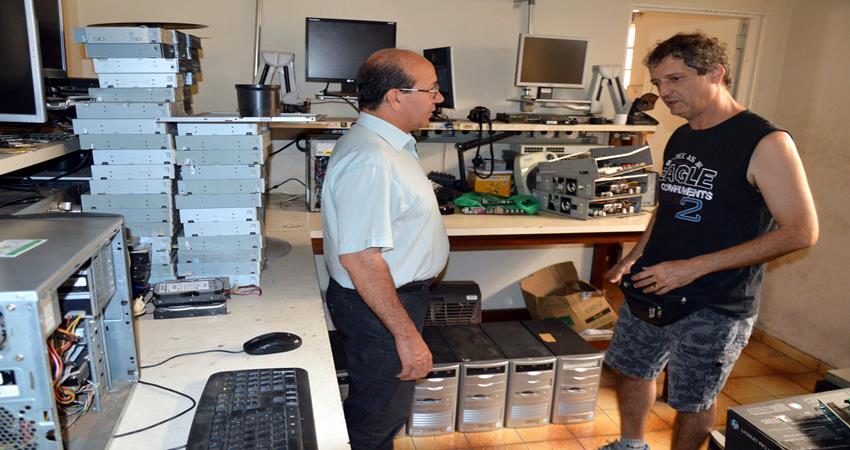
(190, 291)
(132, 171)
(131, 51)
(201, 201)
(125, 110)
(220, 215)
(121, 126)
(133, 156)
(209, 229)
(126, 141)
(221, 172)
(141, 80)
(122, 35)
(220, 129)
(162, 186)
(247, 186)
(219, 157)
(98, 202)
(231, 142)
(193, 310)
(137, 94)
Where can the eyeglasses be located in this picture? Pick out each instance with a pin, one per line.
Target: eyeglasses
(433, 91)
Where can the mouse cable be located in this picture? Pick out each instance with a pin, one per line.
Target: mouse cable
(218, 350)
(194, 403)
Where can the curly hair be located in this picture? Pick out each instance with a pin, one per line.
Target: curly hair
(697, 50)
(380, 73)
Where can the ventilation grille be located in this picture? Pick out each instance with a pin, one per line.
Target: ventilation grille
(16, 432)
(448, 312)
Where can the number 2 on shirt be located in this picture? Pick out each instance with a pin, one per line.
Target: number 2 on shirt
(690, 213)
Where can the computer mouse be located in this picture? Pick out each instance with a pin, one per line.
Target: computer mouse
(269, 343)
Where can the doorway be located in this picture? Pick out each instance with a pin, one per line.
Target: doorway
(651, 24)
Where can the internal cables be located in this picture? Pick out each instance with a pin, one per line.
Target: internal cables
(249, 289)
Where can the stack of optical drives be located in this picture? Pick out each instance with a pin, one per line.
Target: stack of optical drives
(145, 73)
(190, 298)
(600, 182)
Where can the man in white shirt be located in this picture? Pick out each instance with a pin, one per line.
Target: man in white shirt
(384, 242)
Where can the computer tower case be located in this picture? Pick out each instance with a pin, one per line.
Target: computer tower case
(531, 374)
(319, 150)
(435, 398)
(483, 378)
(578, 370)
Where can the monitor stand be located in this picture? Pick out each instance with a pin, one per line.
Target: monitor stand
(348, 89)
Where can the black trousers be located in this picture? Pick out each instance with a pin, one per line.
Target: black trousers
(378, 403)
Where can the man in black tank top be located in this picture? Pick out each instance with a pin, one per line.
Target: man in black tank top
(733, 195)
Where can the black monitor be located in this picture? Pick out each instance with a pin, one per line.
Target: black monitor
(337, 48)
(51, 37)
(21, 80)
(551, 61)
(443, 60)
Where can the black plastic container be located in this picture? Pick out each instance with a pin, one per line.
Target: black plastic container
(258, 100)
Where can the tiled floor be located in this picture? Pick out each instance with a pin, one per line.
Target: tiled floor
(762, 373)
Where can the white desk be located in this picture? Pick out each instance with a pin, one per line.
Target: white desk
(290, 302)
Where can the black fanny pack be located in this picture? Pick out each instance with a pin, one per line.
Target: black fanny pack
(658, 310)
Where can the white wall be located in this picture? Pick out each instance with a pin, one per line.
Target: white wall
(806, 294)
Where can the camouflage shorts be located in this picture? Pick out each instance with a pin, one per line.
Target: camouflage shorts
(700, 351)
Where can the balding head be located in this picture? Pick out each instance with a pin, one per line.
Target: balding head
(384, 70)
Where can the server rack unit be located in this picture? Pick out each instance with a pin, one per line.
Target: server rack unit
(531, 374)
(319, 150)
(483, 378)
(578, 371)
(435, 397)
(64, 276)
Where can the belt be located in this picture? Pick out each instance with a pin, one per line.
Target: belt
(414, 286)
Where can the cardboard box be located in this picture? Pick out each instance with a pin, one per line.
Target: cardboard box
(557, 292)
(497, 184)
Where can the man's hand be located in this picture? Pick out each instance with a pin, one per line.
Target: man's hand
(663, 277)
(415, 357)
(615, 274)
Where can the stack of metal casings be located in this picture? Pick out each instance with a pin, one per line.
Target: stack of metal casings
(220, 200)
(579, 369)
(483, 378)
(531, 374)
(435, 396)
(144, 74)
(602, 182)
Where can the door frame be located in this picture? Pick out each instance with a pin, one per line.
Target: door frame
(747, 72)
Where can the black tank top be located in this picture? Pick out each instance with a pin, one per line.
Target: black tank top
(707, 204)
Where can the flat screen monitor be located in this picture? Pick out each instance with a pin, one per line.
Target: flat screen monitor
(21, 80)
(51, 37)
(337, 48)
(551, 61)
(443, 60)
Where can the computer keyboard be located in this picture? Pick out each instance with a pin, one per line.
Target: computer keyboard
(28, 140)
(547, 119)
(254, 409)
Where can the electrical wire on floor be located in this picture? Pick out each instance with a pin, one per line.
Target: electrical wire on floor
(179, 355)
(194, 403)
